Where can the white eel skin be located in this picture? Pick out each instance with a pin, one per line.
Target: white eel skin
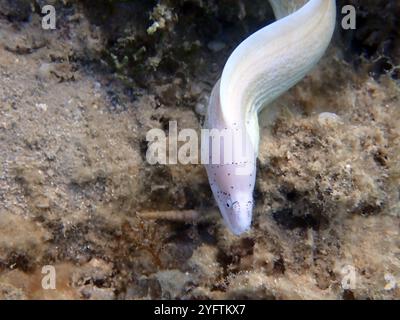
(260, 69)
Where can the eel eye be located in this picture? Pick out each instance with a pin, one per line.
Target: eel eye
(228, 203)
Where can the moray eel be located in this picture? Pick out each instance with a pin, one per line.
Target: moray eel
(260, 69)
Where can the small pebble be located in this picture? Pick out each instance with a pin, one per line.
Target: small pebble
(41, 106)
(328, 118)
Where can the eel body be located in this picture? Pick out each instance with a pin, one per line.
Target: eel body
(261, 68)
